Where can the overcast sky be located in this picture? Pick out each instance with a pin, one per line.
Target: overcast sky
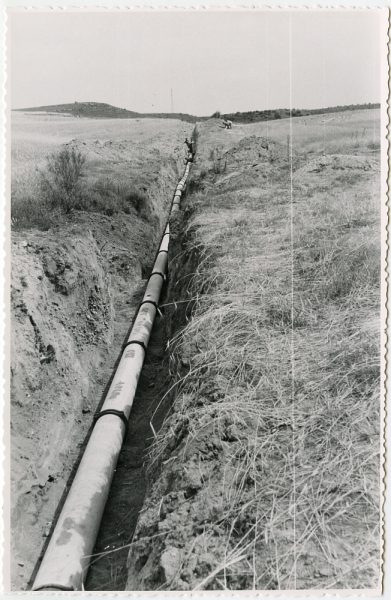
(227, 61)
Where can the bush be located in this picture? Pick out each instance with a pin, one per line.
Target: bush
(109, 197)
(61, 188)
(61, 183)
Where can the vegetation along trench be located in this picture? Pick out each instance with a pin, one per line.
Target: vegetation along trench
(251, 458)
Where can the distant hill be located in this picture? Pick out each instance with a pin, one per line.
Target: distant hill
(100, 110)
(284, 113)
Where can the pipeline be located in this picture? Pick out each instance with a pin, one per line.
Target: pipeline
(66, 560)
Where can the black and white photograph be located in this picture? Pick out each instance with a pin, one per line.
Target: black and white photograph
(196, 205)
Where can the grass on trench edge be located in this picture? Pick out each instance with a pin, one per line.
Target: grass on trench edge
(299, 462)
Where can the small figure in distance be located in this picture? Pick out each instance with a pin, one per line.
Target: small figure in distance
(227, 124)
(190, 145)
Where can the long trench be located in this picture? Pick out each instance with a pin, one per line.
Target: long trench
(107, 493)
(108, 570)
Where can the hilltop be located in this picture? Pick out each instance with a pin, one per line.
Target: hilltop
(101, 110)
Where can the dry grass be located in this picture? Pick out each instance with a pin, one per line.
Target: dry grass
(120, 156)
(281, 379)
(48, 200)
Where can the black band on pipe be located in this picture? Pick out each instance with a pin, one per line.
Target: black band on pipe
(149, 302)
(167, 233)
(158, 273)
(112, 411)
(166, 251)
(134, 342)
(55, 586)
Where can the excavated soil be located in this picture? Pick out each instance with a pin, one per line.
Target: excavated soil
(74, 293)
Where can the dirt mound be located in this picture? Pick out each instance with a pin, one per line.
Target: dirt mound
(229, 159)
(254, 149)
(183, 512)
(62, 327)
(67, 290)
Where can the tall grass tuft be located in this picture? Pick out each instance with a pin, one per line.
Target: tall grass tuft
(61, 181)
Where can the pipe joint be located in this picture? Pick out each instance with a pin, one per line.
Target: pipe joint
(138, 342)
(112, 411)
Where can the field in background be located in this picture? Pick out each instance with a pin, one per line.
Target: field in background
(34, 136)
(357, 132)
(120, 157)
(101, 110)
(37, 136)
(266, 474)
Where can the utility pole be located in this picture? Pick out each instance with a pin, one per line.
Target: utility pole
(172, 102)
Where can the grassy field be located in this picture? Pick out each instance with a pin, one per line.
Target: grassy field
(119, 156)
(36, 136)
(268, 466)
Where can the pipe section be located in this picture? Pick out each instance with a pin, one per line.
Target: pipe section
(66, 560)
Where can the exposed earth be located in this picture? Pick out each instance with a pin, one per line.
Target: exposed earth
(74, 292)
(218, 510)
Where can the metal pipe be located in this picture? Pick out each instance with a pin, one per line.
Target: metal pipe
(66, 560)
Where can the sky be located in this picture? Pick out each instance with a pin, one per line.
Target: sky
(227, 61)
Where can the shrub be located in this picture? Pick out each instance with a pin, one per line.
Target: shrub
(61, 182)
(108, 197)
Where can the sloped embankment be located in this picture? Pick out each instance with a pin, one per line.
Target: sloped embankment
(74, 291)
(265, 474)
